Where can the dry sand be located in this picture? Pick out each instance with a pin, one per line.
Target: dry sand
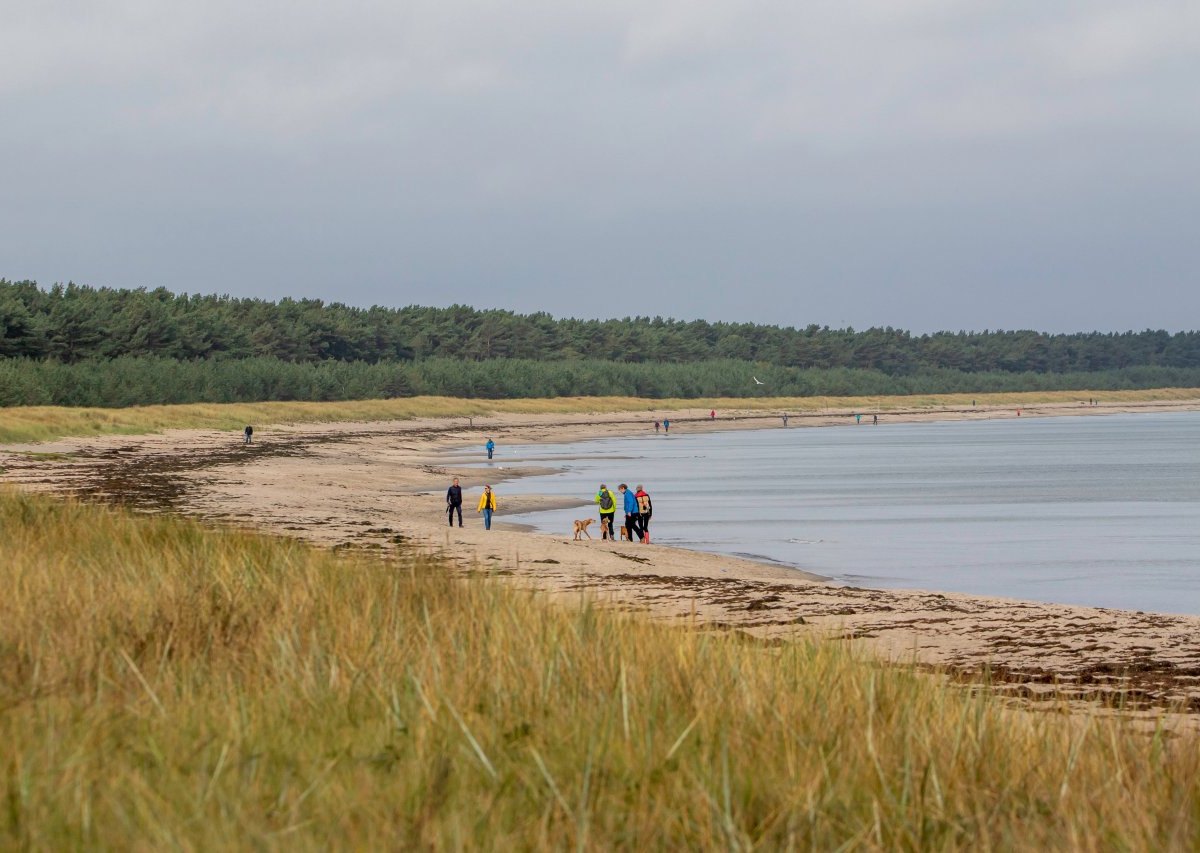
(382, 486)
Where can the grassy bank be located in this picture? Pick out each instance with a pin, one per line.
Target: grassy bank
(164, 685)
(44, 423)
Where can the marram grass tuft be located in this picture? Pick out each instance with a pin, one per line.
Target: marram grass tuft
(166, 685)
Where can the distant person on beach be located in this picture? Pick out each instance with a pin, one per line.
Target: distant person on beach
(645, 510)
(248, 435)
(857, 418)
(608, 508)
(491, 447)
(656, 425)
(875, 420)
(487, 505)
(712, 415)
(785, 418)
(667, 426)
(454, 502)
(632, 522)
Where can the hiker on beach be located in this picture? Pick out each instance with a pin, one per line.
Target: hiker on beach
(454, 502)
(491, 446)
(875, 420)
(785, 419)
(712, 416)
(656, 427)
(248, 434)
(608, 508)
(645, 510)
(632, 521)
(487, 505)
(667, 426)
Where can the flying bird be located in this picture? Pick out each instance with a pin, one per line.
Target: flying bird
(756, 382)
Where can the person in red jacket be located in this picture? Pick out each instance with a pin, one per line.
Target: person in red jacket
(645, 510)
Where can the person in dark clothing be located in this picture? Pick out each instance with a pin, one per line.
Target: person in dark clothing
(454, 503)
(248, 435)
(645, 510)
(633, 521)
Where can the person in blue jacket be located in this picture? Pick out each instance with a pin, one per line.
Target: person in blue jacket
(491, 446)
(633, 519)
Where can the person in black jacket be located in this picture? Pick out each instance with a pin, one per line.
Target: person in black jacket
(454, 502)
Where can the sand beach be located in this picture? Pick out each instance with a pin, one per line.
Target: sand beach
(381, 486)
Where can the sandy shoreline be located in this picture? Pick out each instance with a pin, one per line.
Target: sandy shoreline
(382, 486)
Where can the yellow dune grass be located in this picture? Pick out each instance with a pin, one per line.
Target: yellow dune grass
(167, 686)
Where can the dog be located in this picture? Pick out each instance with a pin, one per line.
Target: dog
(581, 526)
(625, 534)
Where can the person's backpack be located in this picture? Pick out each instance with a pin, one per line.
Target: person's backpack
(606, 500)
(644, 504)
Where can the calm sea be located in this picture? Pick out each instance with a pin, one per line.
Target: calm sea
(1101, 511)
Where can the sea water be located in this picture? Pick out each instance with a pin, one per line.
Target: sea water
(1100, 510)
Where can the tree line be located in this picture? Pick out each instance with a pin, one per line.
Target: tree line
(130, 380)
(72, 324)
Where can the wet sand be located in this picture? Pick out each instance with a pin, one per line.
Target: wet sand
(381, 487)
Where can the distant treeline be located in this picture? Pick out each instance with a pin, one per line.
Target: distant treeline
(73, 324)
(127, 380)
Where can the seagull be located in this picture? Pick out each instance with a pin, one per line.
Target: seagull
(756, 382)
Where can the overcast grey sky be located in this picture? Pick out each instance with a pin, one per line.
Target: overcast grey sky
(925, 164)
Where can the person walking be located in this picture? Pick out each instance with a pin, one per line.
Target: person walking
(874, 420)
(785, 419)
(491, 447)
(712, 416)
(645, 510)
(487, 505)
(656, 427)
(608, 508)
(667, 426)
(632, 521)
(454, 502)
(248, 435)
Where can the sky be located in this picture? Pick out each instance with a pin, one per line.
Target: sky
(921, 164)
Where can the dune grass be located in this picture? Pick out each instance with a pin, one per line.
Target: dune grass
(167, 686)
(45, 423)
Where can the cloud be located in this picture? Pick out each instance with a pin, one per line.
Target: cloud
(511, 151)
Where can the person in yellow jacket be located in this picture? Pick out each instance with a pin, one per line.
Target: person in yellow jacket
(487, 505)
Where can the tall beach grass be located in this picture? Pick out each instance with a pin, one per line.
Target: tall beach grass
(45, 423)
(167, 686)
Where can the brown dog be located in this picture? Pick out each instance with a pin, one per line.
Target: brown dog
(625, 533)
(581, 526)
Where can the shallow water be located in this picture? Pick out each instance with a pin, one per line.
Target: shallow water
(1101, 511)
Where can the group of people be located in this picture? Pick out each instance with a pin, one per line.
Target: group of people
(635, 503)
(454, 501)
(638, 509)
